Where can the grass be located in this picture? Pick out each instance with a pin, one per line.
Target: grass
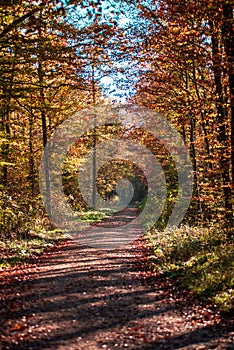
(18, 250)
(93, 216)
(200, 258)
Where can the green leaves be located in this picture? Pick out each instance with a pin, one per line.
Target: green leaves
(201, 258)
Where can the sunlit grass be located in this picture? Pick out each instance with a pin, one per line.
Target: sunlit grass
(200, 258)
(33, 243)
(93, 215)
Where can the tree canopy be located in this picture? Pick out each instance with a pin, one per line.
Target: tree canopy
(59, 57)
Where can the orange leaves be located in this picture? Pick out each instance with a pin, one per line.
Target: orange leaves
(18, 327)
(180, 83)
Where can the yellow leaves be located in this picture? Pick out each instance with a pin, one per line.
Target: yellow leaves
(175, 30)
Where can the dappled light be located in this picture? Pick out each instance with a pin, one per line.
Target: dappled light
(116, 174)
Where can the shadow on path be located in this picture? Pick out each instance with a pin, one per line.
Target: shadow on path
(83, 298)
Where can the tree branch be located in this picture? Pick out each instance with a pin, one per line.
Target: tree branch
(19, 20)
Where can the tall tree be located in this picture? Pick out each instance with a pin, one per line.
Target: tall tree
(228, 36)
(184, 41)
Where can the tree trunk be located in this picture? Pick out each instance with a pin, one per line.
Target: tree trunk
(194, 162)
(31, 158)
(222, 117)
(228, 34)
(44, 128)
(6, 118)
(94, 193)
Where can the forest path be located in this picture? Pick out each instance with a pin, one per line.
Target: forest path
(77, 297)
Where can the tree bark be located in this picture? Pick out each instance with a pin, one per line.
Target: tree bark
(94, 193)
(228, 34)
(194, 162)
(31, 158)
(222, 117)
(44, 128)
(8, 89)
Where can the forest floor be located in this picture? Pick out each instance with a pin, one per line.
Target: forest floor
(77, 297)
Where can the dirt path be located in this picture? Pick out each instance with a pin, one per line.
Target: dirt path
(80, 298)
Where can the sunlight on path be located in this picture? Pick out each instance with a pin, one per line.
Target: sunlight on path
(112, 233)
(87, 299)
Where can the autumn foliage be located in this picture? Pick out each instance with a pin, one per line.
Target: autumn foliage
(177, 57)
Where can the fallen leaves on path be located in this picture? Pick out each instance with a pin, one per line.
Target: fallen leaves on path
(75, 297)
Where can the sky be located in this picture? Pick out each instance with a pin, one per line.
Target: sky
(117, 86)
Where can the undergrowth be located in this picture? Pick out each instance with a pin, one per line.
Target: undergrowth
(33, 243)
(200, 258)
